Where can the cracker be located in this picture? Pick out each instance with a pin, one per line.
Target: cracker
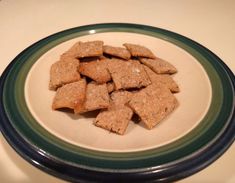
(165, 79)
(153, 103)
(139, 50)
(85, 49)
(129, 74)
(115, 119)
(71, 95)
(96, 70)
(159, 65)
(63, 72)
(117, 52)
(97, 97)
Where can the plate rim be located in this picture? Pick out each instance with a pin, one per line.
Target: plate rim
(7, 130)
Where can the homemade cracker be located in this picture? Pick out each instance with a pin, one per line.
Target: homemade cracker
(63, 72)
(159, 65)
(153, 103)
(117, 52)
(164, 79)
(97, 97)
(128, 74)
(139, 50)
(85, 49)
(96, 70)
(71, 95)
(115, 119)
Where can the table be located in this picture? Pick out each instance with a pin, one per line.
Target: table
(22, 23)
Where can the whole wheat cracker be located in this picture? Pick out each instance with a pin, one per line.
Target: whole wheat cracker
(115, 119)
(117, 52)
(128, 74)
(85, 49)
(96, 70)
(63, 72)
(153, 103)
(97, 97)
(71, 95)
(159, 65)
(165, 79)
(139, 50)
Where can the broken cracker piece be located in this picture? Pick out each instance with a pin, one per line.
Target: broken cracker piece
(71, 95)
(85, 49)
(153, 103)
(63, 72)
(159, 65)
(117, 52)
(96, 70)
(165, 79)
(139, 50)
(97, 97)
(128, 74)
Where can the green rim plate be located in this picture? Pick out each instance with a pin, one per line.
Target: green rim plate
(17, 117)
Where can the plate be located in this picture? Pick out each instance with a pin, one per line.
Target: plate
(70, 147)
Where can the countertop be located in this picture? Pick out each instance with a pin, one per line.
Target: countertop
(24, 22)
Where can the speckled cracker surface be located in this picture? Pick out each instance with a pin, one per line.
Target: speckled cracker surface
(159, 65)
(63, 72)
(70, 95)
(85, 49)
(115, 119)
(96, 70)
(165, 79)
(139, 50)
(152, 104)
(117, 52)
(128, 74)
(120, 98)
(97, 97)
(110, 87)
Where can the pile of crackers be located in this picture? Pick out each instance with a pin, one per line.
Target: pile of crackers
(117, 81)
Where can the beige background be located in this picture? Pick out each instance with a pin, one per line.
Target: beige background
(210, 22)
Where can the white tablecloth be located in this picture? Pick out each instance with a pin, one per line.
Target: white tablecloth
(210, 22)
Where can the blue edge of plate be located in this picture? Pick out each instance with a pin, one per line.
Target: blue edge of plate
(75, 174)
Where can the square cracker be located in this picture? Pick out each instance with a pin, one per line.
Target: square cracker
(118, 115)
(71, 95)
(128, 74)
(153, 103)
(165, 79)
(139, 50)
(117, 52)
(63, 72)
(96, 70)
(85, 49)
(97, 97)
(159, 65)
(115, 119)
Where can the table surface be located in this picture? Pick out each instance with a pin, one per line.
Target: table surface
(24, 22)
